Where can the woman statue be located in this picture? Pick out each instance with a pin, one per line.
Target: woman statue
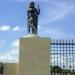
(33, 14)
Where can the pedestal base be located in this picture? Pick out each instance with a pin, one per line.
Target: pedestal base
(34, 56)
(11, 69)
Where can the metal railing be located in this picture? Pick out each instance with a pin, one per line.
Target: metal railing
(62, 57)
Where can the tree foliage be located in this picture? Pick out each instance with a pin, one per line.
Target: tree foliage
(56, 69)
(1, 68)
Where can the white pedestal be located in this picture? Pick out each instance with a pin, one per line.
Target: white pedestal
(34, 56)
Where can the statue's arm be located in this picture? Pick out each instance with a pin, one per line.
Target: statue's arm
(37, 11)
(28, 14)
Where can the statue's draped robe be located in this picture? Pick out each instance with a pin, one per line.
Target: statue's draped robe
(32, 20)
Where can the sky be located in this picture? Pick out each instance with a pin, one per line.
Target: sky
(56, 21)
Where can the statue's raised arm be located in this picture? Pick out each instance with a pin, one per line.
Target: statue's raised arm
(33, 14)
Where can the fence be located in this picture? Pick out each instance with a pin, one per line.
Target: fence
(62, 57)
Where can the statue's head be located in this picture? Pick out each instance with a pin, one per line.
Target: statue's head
(32, 4)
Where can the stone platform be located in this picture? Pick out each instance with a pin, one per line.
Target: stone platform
(34, 58)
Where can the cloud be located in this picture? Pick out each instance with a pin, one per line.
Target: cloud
(56, 10)
(2, 43)
(16, 28)
(9, 28)
(15, 43)
(4, 28)
(55, 33)
(11, 56)
(51, 32)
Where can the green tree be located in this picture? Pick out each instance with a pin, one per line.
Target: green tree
(1, 68)
(56, 69)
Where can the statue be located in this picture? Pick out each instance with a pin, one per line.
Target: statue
(33, 14)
